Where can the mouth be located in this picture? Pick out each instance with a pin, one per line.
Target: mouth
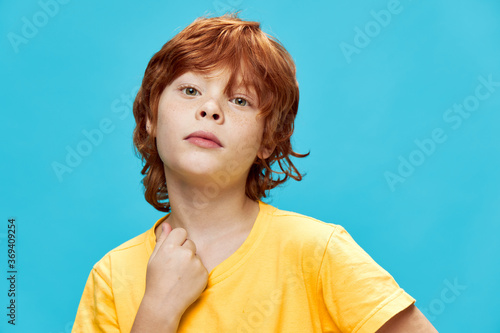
(204, 139)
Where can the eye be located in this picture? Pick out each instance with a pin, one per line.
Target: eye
(240, 101)
(190, 91)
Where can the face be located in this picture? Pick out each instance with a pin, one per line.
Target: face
(196, 103)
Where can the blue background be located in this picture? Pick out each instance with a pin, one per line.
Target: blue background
(359, 115)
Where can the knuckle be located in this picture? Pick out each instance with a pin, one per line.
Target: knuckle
(169, 247)
(187, 253)
(181, 232)
(191, 244)
(204, 272)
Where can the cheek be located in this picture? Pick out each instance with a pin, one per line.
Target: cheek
(169, 117)
(166, 132)
(248, 135)
(250, 126)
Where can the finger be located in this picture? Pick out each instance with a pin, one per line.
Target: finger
(176, 237)
(165, 231)
(190, 245)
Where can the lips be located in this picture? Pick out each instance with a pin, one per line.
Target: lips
(204, 135)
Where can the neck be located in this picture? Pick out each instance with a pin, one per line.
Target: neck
(207, 210)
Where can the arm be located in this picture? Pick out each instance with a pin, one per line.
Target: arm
(175, 278)
(152, 318)
(410, 320)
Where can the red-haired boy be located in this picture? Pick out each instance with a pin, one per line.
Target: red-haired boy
(214, 113)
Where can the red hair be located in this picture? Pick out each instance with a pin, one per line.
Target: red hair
(243, 48)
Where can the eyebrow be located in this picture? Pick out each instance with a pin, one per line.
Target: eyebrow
(247, 90)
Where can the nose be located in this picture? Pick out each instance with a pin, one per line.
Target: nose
(211, 110)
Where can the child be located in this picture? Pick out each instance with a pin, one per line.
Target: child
(215, 111)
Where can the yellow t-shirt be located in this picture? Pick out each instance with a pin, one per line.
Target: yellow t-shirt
(292, 274)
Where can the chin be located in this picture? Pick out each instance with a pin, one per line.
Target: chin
(197, 167)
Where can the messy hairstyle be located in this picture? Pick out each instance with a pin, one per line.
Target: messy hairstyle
(224, 42)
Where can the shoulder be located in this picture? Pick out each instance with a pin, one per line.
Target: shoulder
(302, 235)
(331, 241)
(133, 250)
(301, 226)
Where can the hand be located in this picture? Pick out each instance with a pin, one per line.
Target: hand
(175, 276)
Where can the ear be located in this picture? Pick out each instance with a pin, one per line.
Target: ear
(265, 152)
(148, 126)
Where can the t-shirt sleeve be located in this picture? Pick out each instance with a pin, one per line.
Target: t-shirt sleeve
(96, 312)
(357, 295)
